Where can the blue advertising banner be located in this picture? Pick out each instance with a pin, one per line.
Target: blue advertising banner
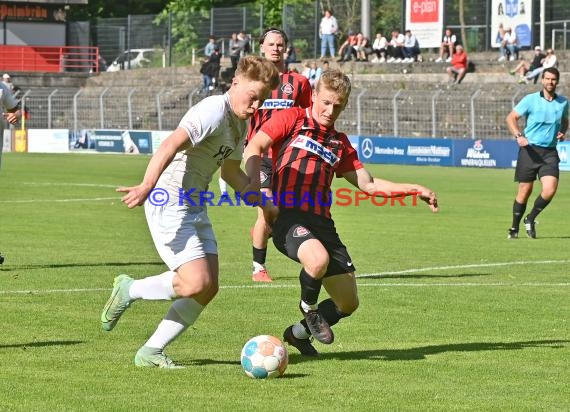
(407, 151)
(564, 154)
(122, 141)
(485, 153)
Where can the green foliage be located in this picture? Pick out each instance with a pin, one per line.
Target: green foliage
(387, 16)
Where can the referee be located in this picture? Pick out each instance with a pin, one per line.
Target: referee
(546, 124)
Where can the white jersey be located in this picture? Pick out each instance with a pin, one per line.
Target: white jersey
(215, 133)
(7, 102)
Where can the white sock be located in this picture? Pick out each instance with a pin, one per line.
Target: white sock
(223, 185)
(300, 332)
(258, 266)
(181, 314)
(154, 287)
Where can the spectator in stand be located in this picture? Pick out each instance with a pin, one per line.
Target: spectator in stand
(549, 61)
(395, 47)
(210, 71)
(363, 49)
(508, 45)
(525, 66)
(7, 80)
(458, 66)
(411, 49)
(313, 73)
(500, 35)
(327, 31)
(379, 48)
(348, 49)
(290, 56)
(235, 50)
(244, 44)
(209, 48)
(447, 46)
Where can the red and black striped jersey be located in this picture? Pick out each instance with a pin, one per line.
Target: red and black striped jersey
(306, 157)
(294, 90)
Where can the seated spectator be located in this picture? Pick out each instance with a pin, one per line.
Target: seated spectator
(395, 47)
(379, 48)
(313, 74)
(347, 50)
(447, 46)
(458, 66)
(363, 49)
(411, 47)
(549, 61)
(525, 66)
(509, 45)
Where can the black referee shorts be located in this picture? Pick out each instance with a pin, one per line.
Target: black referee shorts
(293, 227)
(266, 172)
(536, 161)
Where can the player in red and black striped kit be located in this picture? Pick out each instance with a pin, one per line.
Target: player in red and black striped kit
(293, 90)
(308, 152)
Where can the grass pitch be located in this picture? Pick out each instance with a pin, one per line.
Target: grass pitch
(453, 316)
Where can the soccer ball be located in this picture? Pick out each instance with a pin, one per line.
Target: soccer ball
(263, 357)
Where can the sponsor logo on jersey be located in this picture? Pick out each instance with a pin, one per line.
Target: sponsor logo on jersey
(263, 177)
(301, 231)
(310, 145)
(195, 130)
(287, 88)
(277, 104)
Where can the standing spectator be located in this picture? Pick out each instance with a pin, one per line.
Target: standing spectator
(235, 50)
(210, 71)
(411, 47)
(379, 48)
(458, 66)
(209, 48)
(290, 55)
(396, 46)
(244, 44)
(546, 116)
(327, 31)
(447, 46)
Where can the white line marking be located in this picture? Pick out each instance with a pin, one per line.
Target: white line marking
(365, 284)
(93, 199)
(70, 184)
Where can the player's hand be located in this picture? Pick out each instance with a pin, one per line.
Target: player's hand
(560, 136)
(522, 141)
(430, 198)
(12, 118)
(135, 195)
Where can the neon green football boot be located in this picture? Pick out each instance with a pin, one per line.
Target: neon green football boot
(117, 303)
(147, 357)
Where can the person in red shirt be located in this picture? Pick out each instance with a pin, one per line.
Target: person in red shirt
(458, 66)
(294, 89)
(307, 154)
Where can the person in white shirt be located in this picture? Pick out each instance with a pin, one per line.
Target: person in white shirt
(508, 45)
(379, 48)
(327, 31)
(447, 46)
(210, 135)
(395, 47)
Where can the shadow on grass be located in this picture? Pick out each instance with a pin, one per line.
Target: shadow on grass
(422, 352)
(76, 265)
(42, 344)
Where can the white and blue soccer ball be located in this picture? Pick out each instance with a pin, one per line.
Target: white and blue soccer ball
(263, 357)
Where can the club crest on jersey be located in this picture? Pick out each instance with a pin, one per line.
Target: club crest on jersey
(263, 177)
(277, 104)
(310, 145)
(300, 231)
(287, 88)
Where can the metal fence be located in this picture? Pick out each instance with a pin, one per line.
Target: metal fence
(373, 110)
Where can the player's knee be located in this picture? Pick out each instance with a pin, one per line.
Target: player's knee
(198, 286)
(347, 308)
(316, 265)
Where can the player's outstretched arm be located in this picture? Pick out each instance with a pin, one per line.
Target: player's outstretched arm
(374, 186)
(136, 195)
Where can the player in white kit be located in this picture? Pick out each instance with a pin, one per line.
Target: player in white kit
(210, 135)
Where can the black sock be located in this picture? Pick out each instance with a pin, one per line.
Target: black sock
(310, 288)
(330, 312)
(518, 212)
(259, 255)
(539, 204)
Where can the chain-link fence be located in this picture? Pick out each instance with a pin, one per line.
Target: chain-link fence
(372, 110)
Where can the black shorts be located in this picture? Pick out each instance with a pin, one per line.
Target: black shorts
(536, 161)
(266, 172)
(293, 227)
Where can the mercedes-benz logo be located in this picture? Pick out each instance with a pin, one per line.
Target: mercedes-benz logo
(367, 148)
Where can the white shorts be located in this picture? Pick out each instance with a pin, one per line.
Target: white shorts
(180, 233)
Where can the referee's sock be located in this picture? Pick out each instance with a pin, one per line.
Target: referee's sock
(539, 204)
(518, 212)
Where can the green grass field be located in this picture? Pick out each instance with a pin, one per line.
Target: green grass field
(453, 316)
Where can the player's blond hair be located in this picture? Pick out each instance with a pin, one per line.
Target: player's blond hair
(258, 69)
(336, 81)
